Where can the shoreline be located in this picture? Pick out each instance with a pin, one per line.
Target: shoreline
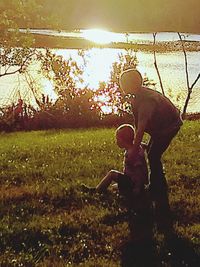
(55, 42)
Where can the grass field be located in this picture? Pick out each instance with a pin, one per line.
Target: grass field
(45, 219)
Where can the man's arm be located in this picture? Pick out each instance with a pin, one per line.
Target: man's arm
(145, 114)
(139, 133)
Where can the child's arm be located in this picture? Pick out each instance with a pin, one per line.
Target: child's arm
(138, 181)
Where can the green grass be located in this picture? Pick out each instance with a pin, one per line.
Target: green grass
(45, 220)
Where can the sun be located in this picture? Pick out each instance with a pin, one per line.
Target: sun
(99, 36)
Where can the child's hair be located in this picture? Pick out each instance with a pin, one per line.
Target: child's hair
(127, 132)
(131, 78)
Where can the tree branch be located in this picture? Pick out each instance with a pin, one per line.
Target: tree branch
(189, 88)
(197, 78)
(9, 73)
(30, 83)
(19, 69)
(186, 63)
(155, 63)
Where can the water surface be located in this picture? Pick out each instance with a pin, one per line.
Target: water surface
(99, 64)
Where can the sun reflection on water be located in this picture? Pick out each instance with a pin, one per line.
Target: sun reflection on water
(100, 61)
(99, 65)
(102, 36)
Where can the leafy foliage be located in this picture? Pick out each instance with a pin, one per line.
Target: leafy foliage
(74, 107)
(14, 14)
(111, 90)
(16, 52)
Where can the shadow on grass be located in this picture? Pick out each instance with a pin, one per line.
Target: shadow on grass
(179, 252)
(75, 243)
(174, 252)
(182, 252)
(112, 219)
(140, 254)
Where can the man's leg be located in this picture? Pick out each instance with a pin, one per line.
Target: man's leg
(158, 182)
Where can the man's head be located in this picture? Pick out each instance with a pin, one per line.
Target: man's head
(125, 135)
(130, 81)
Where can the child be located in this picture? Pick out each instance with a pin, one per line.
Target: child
(132, 182)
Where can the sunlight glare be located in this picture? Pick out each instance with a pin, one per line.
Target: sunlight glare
(48, 90)
(100, 36)
(106, 110)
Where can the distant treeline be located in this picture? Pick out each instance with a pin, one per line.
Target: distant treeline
(47, 41)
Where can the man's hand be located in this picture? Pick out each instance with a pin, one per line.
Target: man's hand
(134, 151)
(144, 145)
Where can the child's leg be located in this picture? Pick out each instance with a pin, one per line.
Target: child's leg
(107, 180)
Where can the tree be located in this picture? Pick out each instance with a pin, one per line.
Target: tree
(76, 104)
(17, 50)
(13, 15)
(189, 86)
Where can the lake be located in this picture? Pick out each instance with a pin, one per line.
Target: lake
(99, 62)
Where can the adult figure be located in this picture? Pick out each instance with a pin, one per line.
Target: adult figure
(156, 115)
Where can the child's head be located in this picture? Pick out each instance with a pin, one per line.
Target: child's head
(130, 81)
(125, 135)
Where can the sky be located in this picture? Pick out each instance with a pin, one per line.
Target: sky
(127, 15)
